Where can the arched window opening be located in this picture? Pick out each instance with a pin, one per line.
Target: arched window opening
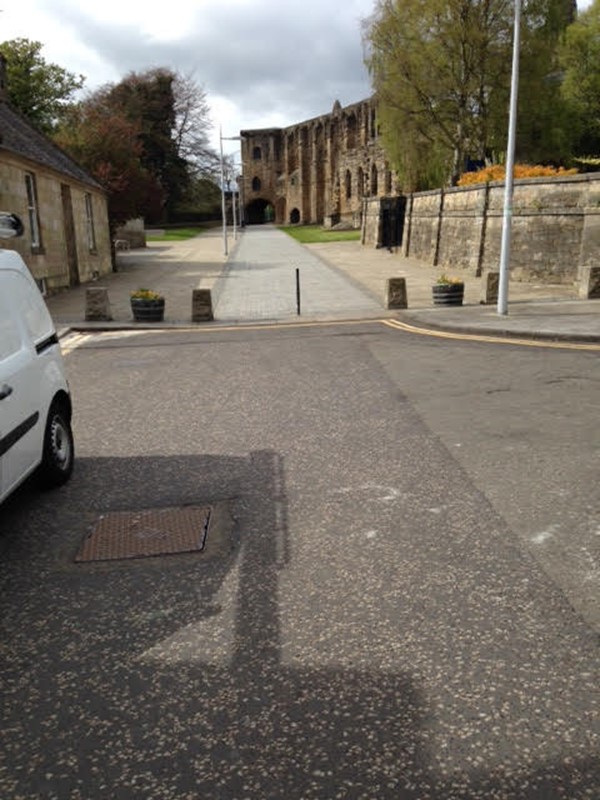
(348, 184)
(388, 182)
(294, 216)
(374, 180)
(257, 154)
(256, 184)
(351, 132)
(360, 182)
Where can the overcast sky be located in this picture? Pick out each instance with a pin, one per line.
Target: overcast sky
(262, 63)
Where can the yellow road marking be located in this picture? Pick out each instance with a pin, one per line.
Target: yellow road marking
(75, 340)
(470, 337)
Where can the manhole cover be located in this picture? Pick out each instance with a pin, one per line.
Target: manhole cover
(137, 534)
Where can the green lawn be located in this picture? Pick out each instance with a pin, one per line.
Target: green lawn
(308, 234)
(177, 234)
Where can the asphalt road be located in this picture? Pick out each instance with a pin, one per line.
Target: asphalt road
(404, 606)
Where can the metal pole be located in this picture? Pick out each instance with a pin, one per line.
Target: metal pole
(233, 203)
(510, 163)
(223, 194)
(298, 291)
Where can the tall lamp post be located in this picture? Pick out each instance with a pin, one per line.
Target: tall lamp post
(223, 205)
(510, 163)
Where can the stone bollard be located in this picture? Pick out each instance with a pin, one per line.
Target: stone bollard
(589, 283)
(97, 305)
(395, 293)
(202, 310)
(489, 288)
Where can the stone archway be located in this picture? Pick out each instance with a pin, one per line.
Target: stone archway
(259, 211)
(294, 216)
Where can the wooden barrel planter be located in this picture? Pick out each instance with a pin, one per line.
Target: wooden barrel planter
(448, 294)
(148, 310)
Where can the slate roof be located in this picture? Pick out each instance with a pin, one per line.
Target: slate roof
(19, 137)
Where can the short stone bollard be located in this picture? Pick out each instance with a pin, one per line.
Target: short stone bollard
(589, 283)
(202, 310)
(97, 305)
(395, 293)
(489, 288)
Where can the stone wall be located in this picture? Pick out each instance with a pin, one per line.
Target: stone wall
(555, 228)
(318, 171)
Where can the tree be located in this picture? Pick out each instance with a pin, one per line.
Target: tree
(107, 144)
(193, 125)
(173, 118)
(441, 73)
(580, 60)
(38, 90)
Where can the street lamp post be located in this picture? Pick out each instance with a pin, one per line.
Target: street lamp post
(510, 163)
(223, 205)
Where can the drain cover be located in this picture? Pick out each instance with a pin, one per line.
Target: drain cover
(137, 534)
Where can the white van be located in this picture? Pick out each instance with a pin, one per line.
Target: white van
(35, 403)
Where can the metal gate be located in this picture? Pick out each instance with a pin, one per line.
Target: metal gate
(393, 210)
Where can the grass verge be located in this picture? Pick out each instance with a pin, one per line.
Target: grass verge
(310, 234)
(177, 234)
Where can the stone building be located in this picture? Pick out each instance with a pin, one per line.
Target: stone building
(318, 171)
(63, 209)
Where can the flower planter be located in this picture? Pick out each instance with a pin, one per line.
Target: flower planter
(448, 294)
(147, 310)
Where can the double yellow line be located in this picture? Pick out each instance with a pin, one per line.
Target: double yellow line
(75, 340)
(476, 337)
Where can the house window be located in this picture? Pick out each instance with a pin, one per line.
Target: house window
(89, 221)
(257, 154)
(32, 211)
(256, 184)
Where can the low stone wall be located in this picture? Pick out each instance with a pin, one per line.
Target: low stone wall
(555, 228)
(132, 232)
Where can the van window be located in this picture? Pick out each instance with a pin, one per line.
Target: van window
(25, 296)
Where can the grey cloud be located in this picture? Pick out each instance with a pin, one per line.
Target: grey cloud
(264, 58)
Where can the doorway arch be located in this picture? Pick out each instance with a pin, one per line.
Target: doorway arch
(259, 211)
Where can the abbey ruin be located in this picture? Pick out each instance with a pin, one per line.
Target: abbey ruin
(318, 171)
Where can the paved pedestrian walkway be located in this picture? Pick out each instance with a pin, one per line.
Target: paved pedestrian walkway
(259, 282)
(337, 279)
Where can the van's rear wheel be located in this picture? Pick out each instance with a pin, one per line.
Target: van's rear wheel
(59, 449)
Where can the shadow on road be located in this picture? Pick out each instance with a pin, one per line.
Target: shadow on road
(176, 677)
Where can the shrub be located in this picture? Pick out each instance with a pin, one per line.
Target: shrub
(497, 173)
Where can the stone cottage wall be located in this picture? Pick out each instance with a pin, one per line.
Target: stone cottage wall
(50, 262)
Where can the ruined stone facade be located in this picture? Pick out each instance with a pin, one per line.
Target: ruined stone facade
(318, 171)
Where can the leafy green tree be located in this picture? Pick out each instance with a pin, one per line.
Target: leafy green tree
(441, 73)
(580, 60)
(39, 90)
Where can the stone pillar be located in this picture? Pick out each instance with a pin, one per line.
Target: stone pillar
(97, 305)
(489, 288)
(202, 310)
(395, 293)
